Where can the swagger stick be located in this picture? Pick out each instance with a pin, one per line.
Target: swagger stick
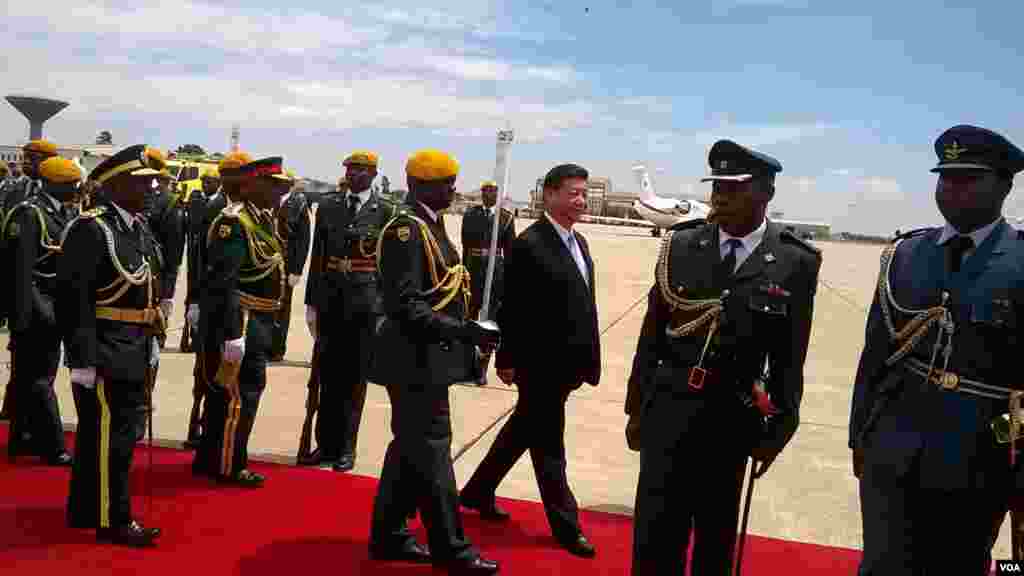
(746, 517)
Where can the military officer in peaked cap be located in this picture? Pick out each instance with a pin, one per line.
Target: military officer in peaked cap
(929, 422)
(343, 305)
(424, 345)
(477, 227)
(108, 280)
(244, 279)
(730, 295)
(32, 230)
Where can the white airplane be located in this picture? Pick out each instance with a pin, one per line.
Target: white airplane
(664, 212)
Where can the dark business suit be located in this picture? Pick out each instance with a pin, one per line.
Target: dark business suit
(929, 455)
(695, 442)
(550, 337)
(293, 227)
(421, 353)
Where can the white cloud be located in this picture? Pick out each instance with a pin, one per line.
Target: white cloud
(758, 135)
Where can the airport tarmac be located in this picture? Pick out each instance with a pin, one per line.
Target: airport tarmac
(809, 495)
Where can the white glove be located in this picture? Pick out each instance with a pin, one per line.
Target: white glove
(192, 316)
(84, 376)
(154, 352)
(167, 307)
(234, 350)
(293, 279)
(311, 320)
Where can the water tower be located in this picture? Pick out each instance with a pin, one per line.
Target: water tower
(37, 110)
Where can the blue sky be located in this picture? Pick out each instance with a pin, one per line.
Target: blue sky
(848, 96)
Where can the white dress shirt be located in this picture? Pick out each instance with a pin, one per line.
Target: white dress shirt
(363, 197)
(748, 243)
(571, 244)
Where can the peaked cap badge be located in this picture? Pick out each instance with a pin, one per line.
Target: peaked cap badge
(954, 150)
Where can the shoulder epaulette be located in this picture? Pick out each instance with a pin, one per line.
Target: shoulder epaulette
(687, 224)
(93, 213)
(912, 233)
(791, 237)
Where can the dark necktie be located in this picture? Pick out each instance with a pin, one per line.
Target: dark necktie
(957, 247)
(353, 205)
(729, 262)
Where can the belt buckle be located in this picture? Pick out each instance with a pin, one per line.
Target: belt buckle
(696, 378)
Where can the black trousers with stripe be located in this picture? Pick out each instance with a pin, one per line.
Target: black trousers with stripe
(231, 410)
(37, 353)
(105, 446)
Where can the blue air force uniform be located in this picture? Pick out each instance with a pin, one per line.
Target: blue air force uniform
(938, 366)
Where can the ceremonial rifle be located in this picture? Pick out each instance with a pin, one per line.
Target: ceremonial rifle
(312, 406)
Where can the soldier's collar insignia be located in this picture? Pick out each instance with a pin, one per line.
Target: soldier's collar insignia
(954, 150)
(403, 233)
(224, 231)
(769, 257)
(704, 243)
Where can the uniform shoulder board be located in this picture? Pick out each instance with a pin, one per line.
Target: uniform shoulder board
(789, 236)
(687, 224)
(93, 213)
(912, 233)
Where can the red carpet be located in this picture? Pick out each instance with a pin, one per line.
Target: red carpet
(305, 521)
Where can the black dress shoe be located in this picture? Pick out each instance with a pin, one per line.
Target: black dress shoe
(488, 511)
(475, 567)
(62, 459)
(581, 547)
(410, 551)
(313, 459)
(344, 464)
(131, 534)
(245, 478)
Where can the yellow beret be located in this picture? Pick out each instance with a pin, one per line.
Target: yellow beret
(59, 170)
(210, 171)
(42, 147)
(156, 164)
(489, 184)
(234, 161)
(431, 164)
(361, 158)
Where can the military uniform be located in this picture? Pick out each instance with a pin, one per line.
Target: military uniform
(709, 329)
(108, 280)
(32, 231)
(424, 345)
(477, 227)
(165, 216)
(294, 229)
(936, 373)
(242, 287)
(195, 235)
(342, 293)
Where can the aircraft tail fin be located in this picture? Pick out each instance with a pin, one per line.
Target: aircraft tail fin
(643, 179)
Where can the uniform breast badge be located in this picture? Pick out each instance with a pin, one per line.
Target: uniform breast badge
(224, 231)
(403, 233)
(12, 230)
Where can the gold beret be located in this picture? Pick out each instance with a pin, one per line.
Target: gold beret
(41, 147)
(234, 161)
(431, 164)
(210, 171)
(361, 158)
(489, 184)
(59, 170)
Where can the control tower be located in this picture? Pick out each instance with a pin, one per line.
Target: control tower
(37, 111)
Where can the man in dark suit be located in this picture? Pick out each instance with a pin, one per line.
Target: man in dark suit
(108, 280)
(730, 295)
(550, 279)
(343, 307)
(929, 421)
(165, 215)
(424, 345)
